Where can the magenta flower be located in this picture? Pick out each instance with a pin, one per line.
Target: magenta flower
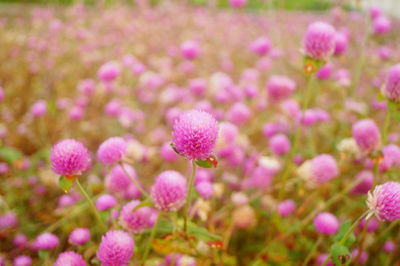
(384, 201)
(116, 248)
(261, 46)
(135, 221)
(108, 72)
(391, 89)
(195, 134)
(169, 191)
(366, 183)
(79, 236)
(341, 43)
(190, 50)
(46, 241)
(205, 189)
(389, 246)
(1, 94)
(118, 182)
(381, 25)
(279, 144)
(22, 261)
(69, 258)
(280, 87)
(237, 3)
(39, 108)
(366, 135)
(319, 40)
(326, 223)
(112, 150)
(285, 208)
(323, 168)
(105, 202)
(239, 114)
(69, 157)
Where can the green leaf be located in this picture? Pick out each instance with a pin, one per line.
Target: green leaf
(65, 183)
(204, 164)
(342, 231)
(202, 233)
(340, 254)
(9, 154)
(144, 203)
(312, 65)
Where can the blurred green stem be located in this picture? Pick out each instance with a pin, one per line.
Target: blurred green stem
(152, 235)
(312, 251)
(134, 181)
(95, 212)
(189, 197)
(386, 127)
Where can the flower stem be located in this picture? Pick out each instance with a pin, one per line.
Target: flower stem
(189, 197)
(152, 234)
(134, 181)
(96, 213)
(386, 127)
(312, 251)
(350, 230)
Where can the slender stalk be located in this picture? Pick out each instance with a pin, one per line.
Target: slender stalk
(152, 234)
(386, 127)
(134, 181)
(189, 197)
(96, 213)
(312, 251)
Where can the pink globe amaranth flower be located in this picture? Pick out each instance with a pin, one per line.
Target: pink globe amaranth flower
(1, 94)
(323, 168)
(46, 241)
(319, 40)
(322, 258)
(112, 150)
(113, 108)
(372, 226)
(20, 240)
(135, 221)
(195, 134)
(228, 132)
(69, 258)
(391, 157)
(116, 248)
(280, 88)
(198, 86)
(385, 53)
(39, 108)
(381, 25)
(285, 208)
(169, 191)
(391, 89)
(105, 202)
(203, 175)
(279, 144)
(375, 12)
(261, 46)
(239, 114)
(366, 183)
(367, 135)
(168, 154)
(69, 157)
(108, 72)
(324, 72)
(22, 261)
(119, 183)
(326, 223)
(8, 220)
(79, 236)
(237, 3)
(87, 87)
(384, 201)
(341, 43)
(205, 189)
(389, 246)
(190, 50)
(261, 177)
(362, 259)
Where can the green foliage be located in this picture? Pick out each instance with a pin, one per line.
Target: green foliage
(65, 183)
(9, 154)
(340, 254)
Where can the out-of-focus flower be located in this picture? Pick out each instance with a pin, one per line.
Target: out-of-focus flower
(69, 258)
(112, 150)
(79, 236)
(326, 223)
(116, 248)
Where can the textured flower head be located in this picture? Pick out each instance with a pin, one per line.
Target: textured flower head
(46, 241)
(108, 72)
(391, 90)
(118, 182)
(169, 191)
(22, 261)
(366, 135)
(384, 201)
(112, 150)
(323, 168)
(195, 134)
(105, 202)
(116, 248)
(69, 157)
(79, 236)
(280, 87)
(136, 221)
(279, 144)
(69, 258)
(286, 207)
(319, 40)
(381, 25)
(326, 223)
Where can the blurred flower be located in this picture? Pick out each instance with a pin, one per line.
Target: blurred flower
(116, 248)
(326, 223)
(112, 150)
(79, 236)
(69, 258)
(135, 221)
(319, 40)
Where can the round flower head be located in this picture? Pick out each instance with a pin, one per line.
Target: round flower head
(46, 241)
(319, 40)
(244, 217)
(366, 181)
(39, 108)
(239, 113)
(190, 50)
(79, 236)
(280, 88)
(205, 189)
(389, 246)
(169, 191)
(323, 168)
(116, 248)
(22, 261)
(391, 90)
(119, 183)
(112, 150)
(326, 223)
(20, 240)
(69, 258)
(286, 207)
(381, 25)
(1, 94)
(108, 72)
(341, 43)
(135, 221)
(384, 201)
(279, 144)
(105, 202)
(261, 46)
(8, 220)
(366, 135)
(69, 157)
(237, 3)
(195, 134)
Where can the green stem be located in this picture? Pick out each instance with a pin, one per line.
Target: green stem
(350, 230)
(134, 181)
(386, 127)
(312, 251)
(189, 197)
(96, 213)
(152, 234)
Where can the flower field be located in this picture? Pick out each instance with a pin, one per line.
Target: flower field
(183, 134)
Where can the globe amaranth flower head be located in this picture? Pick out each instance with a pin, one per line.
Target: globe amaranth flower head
(169, 191)
(46, 241)
(367, 135)
(280, 87)
(319, 170)
(319, 40)
(22, 261)
(79, 236)
(105, 202)
(195, 133)
(69, 258)
(116, 248)
(326, 223)
(384, 201)
(112, 150)
(136, 221)
(69, 157)
(118, 182)
(391, 89)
